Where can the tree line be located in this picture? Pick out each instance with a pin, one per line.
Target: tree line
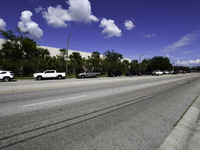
(24, 57)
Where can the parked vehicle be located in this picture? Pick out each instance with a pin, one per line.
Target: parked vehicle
(173, 72)
(165, 72)
(157, 73)
(89, 74)
(48, 74)
(132, 73)
(149, 72)
(115, 74)
(143, 73)
(6, 75)
(184, 72)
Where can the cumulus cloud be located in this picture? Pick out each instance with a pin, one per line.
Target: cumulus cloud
(2, 25)
(129, 25)
(110, 28)
(56, 16)
(184, 41)
(27, 25)
(78, 11)
(189, 62)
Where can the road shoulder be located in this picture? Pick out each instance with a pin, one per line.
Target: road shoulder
(186, 134)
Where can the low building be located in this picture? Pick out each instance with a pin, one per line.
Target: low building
(55, 51)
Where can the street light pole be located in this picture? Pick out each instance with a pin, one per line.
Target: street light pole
(67, 53)
(172, 63)
(140, 61)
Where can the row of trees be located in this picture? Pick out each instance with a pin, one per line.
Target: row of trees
(23, 56)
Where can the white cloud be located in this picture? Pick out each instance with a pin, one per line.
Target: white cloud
(56, 16)
(129, 25)
(79, 11)
(168, 56)
(2, 25)
(27, 25)
(184, 41)
(110, 28)
(188, 63)
(149, 35)
(188, 52)
(38, 10)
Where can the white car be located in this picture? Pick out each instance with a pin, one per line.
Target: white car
(6, 75)
(157, 73)
(166, 72)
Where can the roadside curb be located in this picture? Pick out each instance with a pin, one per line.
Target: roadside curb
(186, 134)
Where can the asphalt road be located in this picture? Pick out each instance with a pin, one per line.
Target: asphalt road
(99, 113)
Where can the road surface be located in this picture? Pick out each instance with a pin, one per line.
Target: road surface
(95, 113)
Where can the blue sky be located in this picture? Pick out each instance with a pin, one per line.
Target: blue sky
(168, 28)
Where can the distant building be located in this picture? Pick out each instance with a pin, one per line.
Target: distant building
(1, 42)
(55, 51)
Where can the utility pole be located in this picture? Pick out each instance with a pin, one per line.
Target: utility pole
(172, 63)
(140, 61)
(67, 53)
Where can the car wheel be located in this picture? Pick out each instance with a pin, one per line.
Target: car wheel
(59, 77)
(39, 78)
(6, 79)
(97, 76)
(82, 77)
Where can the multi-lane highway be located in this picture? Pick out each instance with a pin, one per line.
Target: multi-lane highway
(95, 113)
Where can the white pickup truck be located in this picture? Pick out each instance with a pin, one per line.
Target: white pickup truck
(157, 73)
(49, 74)
(6, 75)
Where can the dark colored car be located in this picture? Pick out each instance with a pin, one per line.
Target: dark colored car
(175, 72)
(143, 73)
(115, 74)
(149, 72)
(133, 73)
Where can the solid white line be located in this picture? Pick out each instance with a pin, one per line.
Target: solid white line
(53, 101)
